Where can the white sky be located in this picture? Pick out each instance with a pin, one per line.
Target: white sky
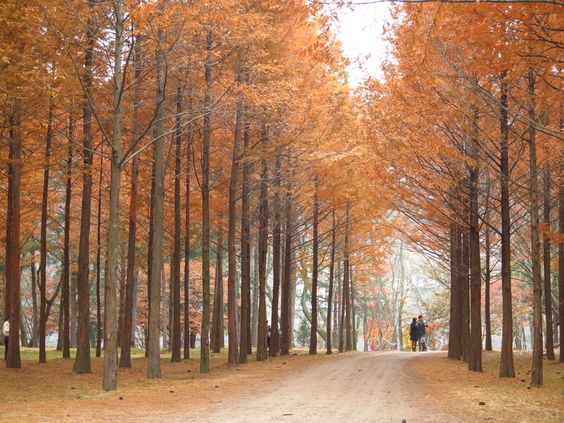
(361, 32)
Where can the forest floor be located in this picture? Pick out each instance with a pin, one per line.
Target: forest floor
(370, 387)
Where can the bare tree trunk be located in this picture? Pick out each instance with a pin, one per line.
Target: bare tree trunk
(205, 330)
(315, 271)
(217, 318)
(255, 293)
(561, 250)
(346, 284)
(245, 335)
(35, 311)
(43, 247)
(276, 262)
(507, 368)
(475, 340)
(353, 311)
(82, 361)
(232, 356)
(455, 322)
(262, 353)
(285, 312)
(331, 280)
(536, 369)
(187, 335)
(487, 281)
(111, 279)
(176, 329)
(12, 265)
(546, 265)
(128, 321)
(65, 300)
(99, 328)
(465, 291)
(154, 368)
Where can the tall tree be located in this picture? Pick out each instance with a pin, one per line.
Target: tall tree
(82, 361)
(43, 262)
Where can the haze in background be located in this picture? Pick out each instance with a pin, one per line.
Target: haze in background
(361, 32)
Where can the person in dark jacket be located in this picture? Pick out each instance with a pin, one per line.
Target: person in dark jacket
(422, 325)
(414, 334)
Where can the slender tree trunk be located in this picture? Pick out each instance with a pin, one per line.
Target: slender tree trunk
(99, 329)
(255, 292)
(156, 257)
(205, 330)
(276, 261)
(187, 335)
(128, 321)
(346, 284)
(35, 316)
(217, 318)
(65, 300)
(455, 322)
(176, 329)
(262, 348)
(546, 265)
(331, 280)
(507, 368)
(82, 361)
(561, 250)
(245, 335)
(475, 340)
(465, 292)
(285, 307)
(353, 311)
(315, 271)
(536, 369)
(111, 278)
(12, 265)
(232, 356)
(43, 247)
(487, 280)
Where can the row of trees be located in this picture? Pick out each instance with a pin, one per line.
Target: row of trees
(469, 120)
(140, 137)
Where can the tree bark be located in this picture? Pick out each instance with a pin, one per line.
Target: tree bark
(65, 300)
(128, 320)
(285, 307)
(205, 329)
(346, 284)
(217, 318)
(262, 348)
(187, 335)
(276, 263)
(546, 265)
(82, 361)
(245, 335)
(99, 328)
(475, 340)
(111, 279)
(331, 278)
(13, 249)
(232, 356)
(154, 368)
(536, 369)
(43, 246)
(315, 271)
(176, 329)
(35, 311)
(507, 368)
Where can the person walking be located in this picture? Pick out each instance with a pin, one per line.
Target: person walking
(414, 334)
(422, 325)
(6, 333)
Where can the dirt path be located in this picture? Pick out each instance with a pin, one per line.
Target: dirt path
(356, 388)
